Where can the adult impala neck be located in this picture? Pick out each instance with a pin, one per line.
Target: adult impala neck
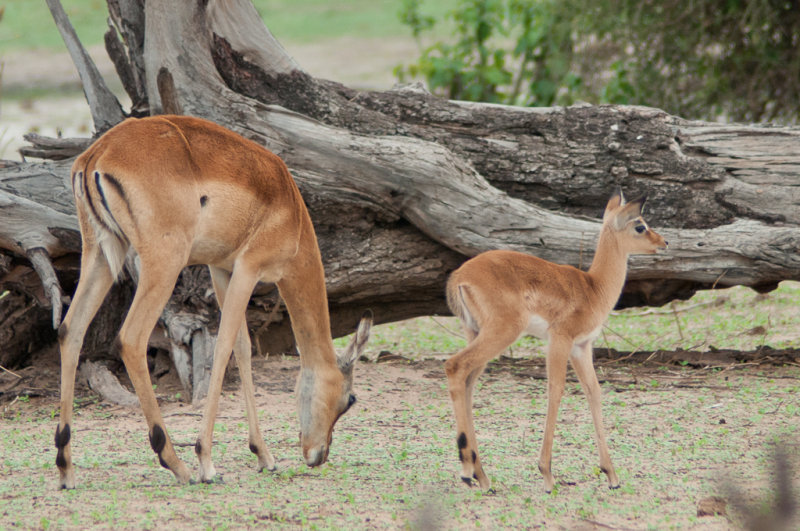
(608, 270)
(303, 292)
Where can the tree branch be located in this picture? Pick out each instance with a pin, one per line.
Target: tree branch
(106, 110)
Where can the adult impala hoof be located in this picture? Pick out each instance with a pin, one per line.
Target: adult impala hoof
(268, 467)
(215, 480)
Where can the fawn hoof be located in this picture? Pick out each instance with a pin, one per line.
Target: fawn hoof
(213, 480)
(613, 487)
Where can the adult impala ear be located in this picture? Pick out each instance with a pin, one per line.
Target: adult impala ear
(616, 201)
(347, 359)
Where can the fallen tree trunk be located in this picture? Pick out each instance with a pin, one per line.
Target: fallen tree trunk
(403, 186)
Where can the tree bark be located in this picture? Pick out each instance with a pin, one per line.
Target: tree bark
(403, 186)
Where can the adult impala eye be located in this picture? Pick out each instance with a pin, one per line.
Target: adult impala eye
(640, 228)
(350, 401)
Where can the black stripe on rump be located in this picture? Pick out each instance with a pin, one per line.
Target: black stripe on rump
(120, 191)
(88, 198)
(102, 194)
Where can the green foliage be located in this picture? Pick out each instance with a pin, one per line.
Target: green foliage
(701, 59)
(735, 59)
(506, 51)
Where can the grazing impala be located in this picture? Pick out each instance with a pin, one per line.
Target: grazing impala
(179, 191)
(499, 295)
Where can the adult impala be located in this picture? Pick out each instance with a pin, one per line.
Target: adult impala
(179, 191)
(499, 295)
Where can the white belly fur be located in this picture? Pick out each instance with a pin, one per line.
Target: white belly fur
(537, 326)
(590, 337)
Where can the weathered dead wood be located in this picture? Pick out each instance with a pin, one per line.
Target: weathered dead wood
(44, 147)
(106, 110)
(104, 383)
(125, 41)
(44, 268)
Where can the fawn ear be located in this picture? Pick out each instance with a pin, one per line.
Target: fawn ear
(616, 201)
(629, 212)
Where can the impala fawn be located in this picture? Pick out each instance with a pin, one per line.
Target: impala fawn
(179, 191)
(500, 295)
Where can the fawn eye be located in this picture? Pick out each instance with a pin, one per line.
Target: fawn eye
(640, 228)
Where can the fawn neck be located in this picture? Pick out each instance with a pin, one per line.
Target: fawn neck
(608, 269)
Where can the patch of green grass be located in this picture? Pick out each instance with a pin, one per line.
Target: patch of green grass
(734, 318)
(28, 24)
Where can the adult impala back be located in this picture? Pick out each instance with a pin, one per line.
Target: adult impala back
(180, 191)
(499, 295)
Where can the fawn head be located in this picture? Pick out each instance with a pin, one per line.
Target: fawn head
(324, 396)
(624, 220)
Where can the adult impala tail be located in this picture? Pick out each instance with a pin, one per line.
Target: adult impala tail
(500, 295)
(179, 191)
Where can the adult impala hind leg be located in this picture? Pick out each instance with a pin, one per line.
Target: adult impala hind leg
(157, 279)
(462, 371)
(558, 351)
(236, 297)
(96, 281)
(242, 350)
(581, 358)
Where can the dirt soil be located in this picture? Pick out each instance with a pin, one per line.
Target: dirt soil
(679, 436)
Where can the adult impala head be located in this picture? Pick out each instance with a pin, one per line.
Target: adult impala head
(318, 413)
(180, 190)
(500, 295)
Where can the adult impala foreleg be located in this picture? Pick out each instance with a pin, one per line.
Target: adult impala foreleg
(242, 350)
(236, 297)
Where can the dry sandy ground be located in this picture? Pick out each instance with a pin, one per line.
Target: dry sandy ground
(675, 436)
